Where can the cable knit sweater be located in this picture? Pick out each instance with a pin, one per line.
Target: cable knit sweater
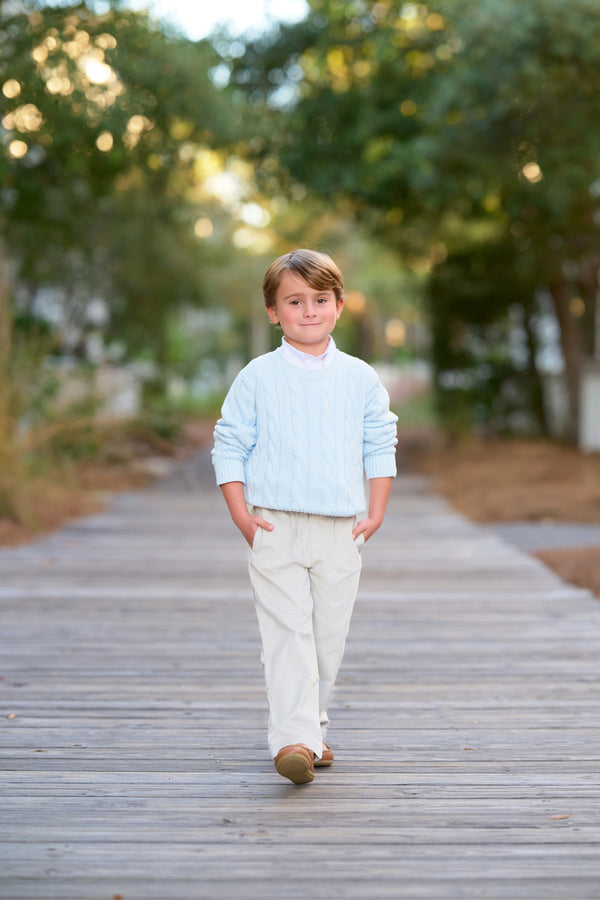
(302, 441)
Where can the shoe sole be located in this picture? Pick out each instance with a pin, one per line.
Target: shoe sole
(296, 767)
(321, 763)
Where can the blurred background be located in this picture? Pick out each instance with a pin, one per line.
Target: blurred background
(154, 161)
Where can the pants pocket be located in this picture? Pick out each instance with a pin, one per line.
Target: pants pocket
(360, 541)
(256, 539)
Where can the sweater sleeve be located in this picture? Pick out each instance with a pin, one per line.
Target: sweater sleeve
(379, 435)
(235, 432)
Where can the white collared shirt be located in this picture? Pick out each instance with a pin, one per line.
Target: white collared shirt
(306, 360)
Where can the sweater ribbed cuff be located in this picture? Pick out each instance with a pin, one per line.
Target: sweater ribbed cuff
(382, 465)
(228, 470)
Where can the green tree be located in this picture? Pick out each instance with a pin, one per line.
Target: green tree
(451, 128)
(103, 117)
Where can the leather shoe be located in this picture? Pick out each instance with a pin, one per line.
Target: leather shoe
(326, 757)
(296, 763)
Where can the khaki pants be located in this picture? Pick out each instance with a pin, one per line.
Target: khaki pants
(304, 576)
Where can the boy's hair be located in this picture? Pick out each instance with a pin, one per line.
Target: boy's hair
(317, 269)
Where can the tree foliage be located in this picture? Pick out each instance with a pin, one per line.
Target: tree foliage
(103, 119)
(458, 131)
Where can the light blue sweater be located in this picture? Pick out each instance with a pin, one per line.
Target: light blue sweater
(302, 441)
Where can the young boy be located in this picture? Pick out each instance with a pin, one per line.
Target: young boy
(299, 429)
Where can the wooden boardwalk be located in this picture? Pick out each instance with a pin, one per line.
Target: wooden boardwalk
(132, 718)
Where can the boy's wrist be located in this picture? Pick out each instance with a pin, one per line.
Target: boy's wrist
(376, 520)
(236, 503)
(241, 519)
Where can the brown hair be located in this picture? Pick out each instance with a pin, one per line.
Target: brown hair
(317, 269)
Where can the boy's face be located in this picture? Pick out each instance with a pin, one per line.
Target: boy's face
(307, 316)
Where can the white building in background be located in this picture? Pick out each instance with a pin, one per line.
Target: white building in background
(589, 427)
(556, 399)
(589, 399)
(112, 386)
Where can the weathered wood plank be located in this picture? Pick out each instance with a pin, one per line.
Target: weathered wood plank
(132, 750)
(82, 829)
(269, 886)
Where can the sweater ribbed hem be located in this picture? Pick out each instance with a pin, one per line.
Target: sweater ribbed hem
(304, 510)
(229, 470)
(382, 465)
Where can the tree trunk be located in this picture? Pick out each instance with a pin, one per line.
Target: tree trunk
(5, 309)
(589, 269)
(9, 457)
(571, 343)
(537, 387)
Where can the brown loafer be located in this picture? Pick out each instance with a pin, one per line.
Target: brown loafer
(326, 757)
(296, 763)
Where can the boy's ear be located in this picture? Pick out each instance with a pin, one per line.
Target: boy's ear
(339, 306)
(272, 314)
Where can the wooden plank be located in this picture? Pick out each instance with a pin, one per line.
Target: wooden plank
(132, 716)
(269, 886)
(96, 829)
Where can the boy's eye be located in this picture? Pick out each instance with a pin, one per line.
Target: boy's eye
(297, 302)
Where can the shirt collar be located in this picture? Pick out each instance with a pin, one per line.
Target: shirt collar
(307, 360)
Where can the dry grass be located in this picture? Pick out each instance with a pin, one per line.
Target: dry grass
(517, 480)
(49, 505)
(579, 565)
(64, 491)
(503, 481)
